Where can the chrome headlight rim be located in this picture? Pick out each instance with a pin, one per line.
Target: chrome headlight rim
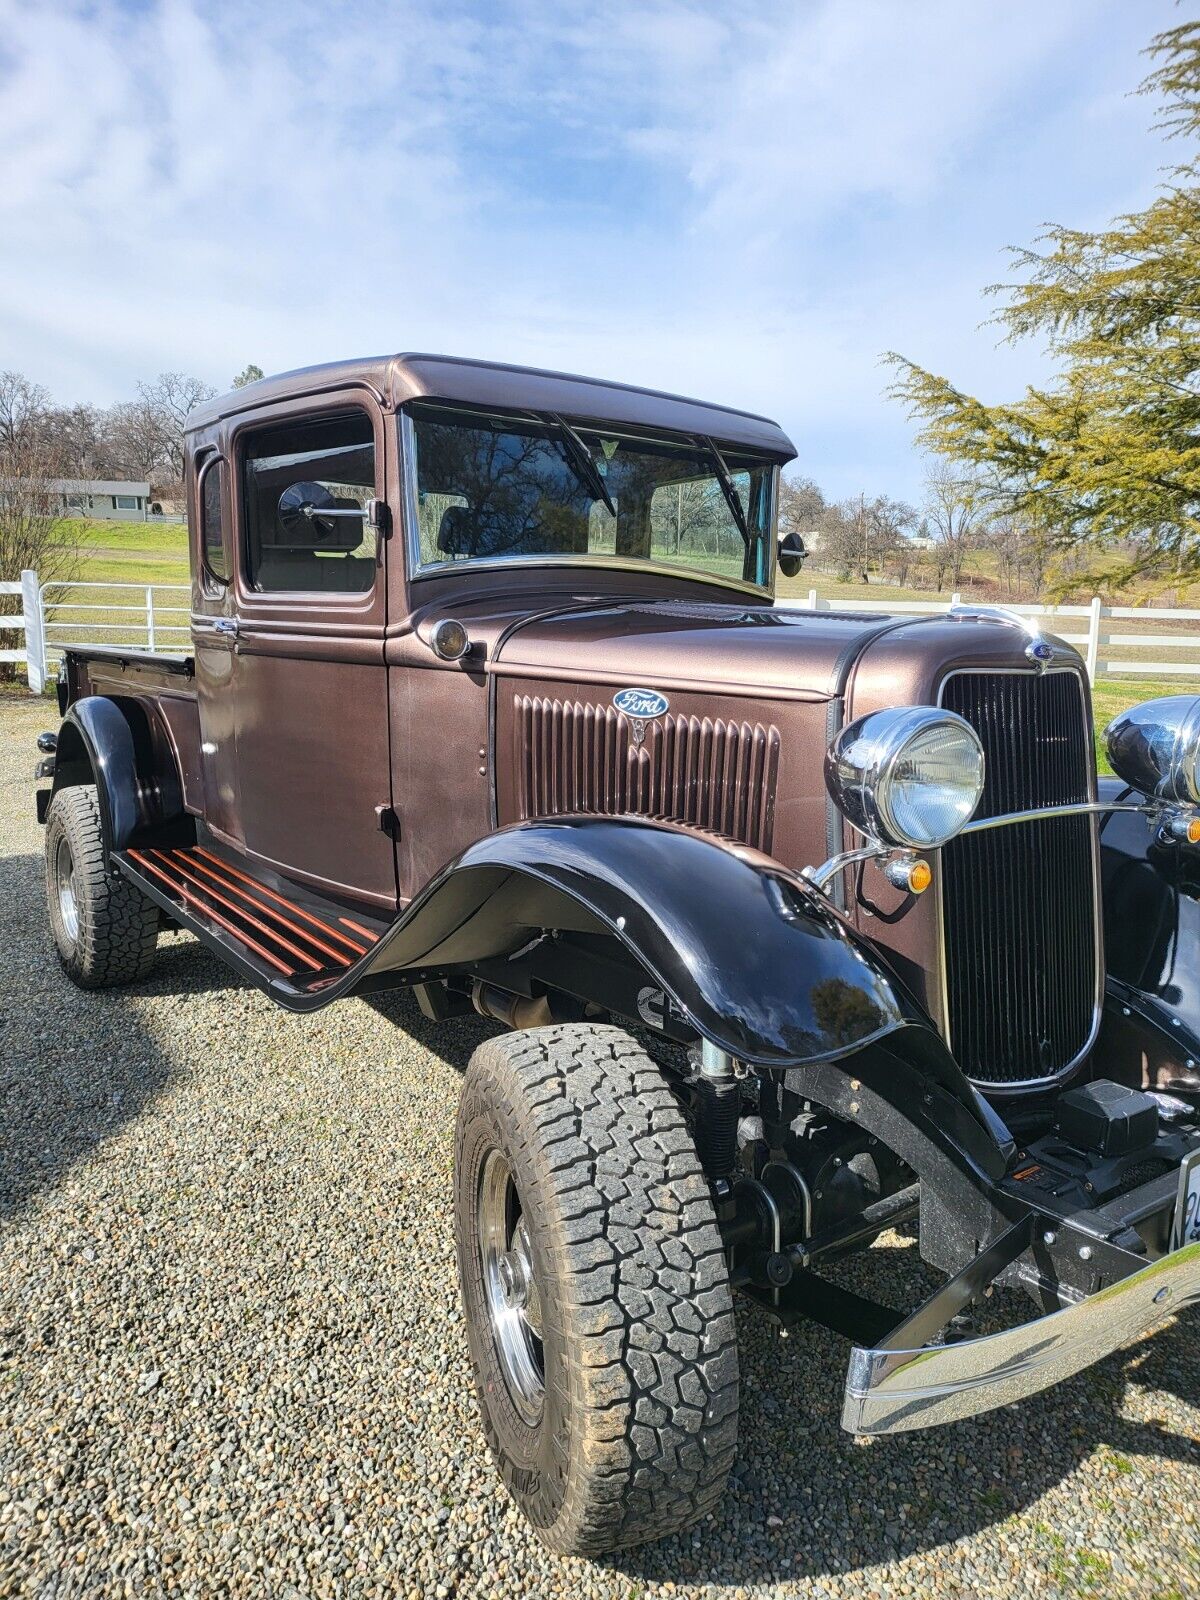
(1154, 747)
(861, 763)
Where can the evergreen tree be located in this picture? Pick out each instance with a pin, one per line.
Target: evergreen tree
(1106, 458)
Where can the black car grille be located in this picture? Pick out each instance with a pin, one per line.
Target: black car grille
(1019, 907)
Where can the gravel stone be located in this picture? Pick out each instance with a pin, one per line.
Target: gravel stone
(232, 1361)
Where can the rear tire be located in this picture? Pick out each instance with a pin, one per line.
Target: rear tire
(598, 1308)
(105, 930)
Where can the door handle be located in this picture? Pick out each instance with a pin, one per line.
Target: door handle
(227, 627)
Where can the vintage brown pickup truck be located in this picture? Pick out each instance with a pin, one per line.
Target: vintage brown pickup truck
(806, 924)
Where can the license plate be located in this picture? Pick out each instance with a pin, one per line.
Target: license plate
(1186, 1229)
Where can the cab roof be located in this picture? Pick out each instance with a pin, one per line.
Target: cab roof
(393, 380)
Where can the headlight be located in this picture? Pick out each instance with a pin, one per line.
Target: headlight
(1155, 747)
(910, 776)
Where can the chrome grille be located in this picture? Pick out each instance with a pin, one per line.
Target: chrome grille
(701, 770)
(1019, 903)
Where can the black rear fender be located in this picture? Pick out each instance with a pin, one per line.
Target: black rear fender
(114, 744)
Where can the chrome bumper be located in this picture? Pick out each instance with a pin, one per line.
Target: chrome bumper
(892, 1390)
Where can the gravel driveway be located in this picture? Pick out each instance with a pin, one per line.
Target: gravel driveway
(231, 1360)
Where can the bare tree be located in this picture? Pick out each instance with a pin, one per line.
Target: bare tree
(954, 509)
(168, 400)
(135, 442)
(801, 505)
(34, 531)
(22, 406)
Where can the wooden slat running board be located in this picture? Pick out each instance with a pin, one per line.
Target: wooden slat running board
(271, 935)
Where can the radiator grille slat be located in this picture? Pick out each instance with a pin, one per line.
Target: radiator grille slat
(1019, 908)
(713, 774)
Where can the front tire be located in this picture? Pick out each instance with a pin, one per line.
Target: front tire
(598, 1308)
(104, 930)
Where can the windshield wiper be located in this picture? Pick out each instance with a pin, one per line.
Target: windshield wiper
(580, 457)
(727, 489)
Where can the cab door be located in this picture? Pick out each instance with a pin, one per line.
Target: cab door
(310, 609)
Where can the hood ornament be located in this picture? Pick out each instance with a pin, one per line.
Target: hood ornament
(1039, 650)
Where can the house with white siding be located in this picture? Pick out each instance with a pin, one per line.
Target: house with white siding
(117, 501)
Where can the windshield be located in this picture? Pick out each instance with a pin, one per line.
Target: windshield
(503, 487)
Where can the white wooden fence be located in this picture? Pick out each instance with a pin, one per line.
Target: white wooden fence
(154, 617)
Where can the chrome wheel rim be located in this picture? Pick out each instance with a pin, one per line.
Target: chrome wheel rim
(64, 882)
(509, 1287)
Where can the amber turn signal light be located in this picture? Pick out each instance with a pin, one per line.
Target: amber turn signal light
(919, 877)
(908, 872)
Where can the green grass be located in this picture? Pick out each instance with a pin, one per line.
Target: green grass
(1111, 696)
(129, 552)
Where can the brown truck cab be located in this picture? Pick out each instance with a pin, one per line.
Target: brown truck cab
(804, 924)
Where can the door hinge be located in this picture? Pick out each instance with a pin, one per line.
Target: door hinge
(389, 822)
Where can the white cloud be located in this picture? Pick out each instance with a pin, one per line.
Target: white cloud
(746, 200)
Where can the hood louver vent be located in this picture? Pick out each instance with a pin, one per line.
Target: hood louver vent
(717, 775)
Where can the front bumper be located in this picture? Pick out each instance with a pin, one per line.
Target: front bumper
(891, 1388)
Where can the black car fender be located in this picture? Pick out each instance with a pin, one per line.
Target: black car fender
(107, 742)
(751, 956)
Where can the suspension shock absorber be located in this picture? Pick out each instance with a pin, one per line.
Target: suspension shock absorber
(718, 1101)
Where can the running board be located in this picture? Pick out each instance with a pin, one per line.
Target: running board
(262, 933)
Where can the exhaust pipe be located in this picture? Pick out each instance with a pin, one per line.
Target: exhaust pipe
(514, 1010)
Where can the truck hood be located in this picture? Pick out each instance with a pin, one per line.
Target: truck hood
(683, 645)
(769, 652)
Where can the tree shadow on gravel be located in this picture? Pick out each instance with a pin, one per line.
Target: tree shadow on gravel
(75, 1067)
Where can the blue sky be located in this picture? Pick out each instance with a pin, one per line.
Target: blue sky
(747, 201)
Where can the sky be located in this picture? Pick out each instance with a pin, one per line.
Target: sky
(748, 201)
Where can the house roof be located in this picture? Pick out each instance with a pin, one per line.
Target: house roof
(394, 380)
(98, 486)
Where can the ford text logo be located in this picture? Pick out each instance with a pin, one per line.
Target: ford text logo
(642, 704)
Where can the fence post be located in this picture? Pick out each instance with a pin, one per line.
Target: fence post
(149, 616)
(35, 632)
(812, 599)
(956, 599)
(1093, 643)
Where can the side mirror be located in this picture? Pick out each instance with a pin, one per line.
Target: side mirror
(792, 554)
(310, 517)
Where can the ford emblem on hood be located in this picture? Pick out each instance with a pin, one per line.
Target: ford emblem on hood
(643, 704)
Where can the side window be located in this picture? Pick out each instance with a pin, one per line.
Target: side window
(305, 487)
(212, 521)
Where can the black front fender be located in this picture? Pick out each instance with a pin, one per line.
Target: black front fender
(751, 956)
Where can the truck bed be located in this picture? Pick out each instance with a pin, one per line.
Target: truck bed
(121, 669)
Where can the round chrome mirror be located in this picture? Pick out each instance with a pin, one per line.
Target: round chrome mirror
(300, 507)
(1155, 748)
